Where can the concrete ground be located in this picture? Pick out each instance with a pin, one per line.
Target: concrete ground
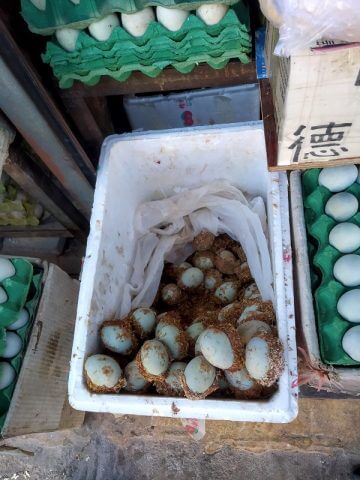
(323, 443)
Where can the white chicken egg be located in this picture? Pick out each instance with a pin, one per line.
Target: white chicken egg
(137, 23)
(345, 237)
(348, 306)
(7, 269)
(351, 343)
(213, 13)
(336, 179)
(171, 18)
(7, 375)
(347, 270)
(102, 29)
(342, 206)
(67, 38)
(13, 345)
(40, 4)
(21, 321)
(3, 296)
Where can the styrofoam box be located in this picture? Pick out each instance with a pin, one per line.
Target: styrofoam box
(347, 378)
(210, 106)
(135, 168)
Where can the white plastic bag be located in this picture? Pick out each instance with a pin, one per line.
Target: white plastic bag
(303, 22)
(165, 229)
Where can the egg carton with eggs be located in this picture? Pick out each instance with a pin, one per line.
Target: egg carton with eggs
(13, 343)
(156, 165)
(47, 16)
(121, 54)
(333, 220)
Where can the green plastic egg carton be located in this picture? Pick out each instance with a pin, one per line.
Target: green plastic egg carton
(327, 290)
(50, 15)
(17, 289)
(157, 49)
(32, 301)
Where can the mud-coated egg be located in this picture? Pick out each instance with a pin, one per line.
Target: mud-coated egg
(252, 292)
(230, 313)
(198, 378)
(249, 328)
(345, 237)
(348, 306)
(176, 340)
(103, 374)
(264, 358)
(153, 360)
(135, 382)
(347, 270)
(7, 375)
(225, 262)
(171, 18)
(103, 28)
(336, 179)
(172, 384)
(212, 280)
(351, 343)
(13, 345)
(204, 260)
(137, 23)
(203, 241)
(342, 206)
(117, 336)
(216, 347)
(143, 320)
(191, 278)
(171, 294)
(226, 292)
(213, 13)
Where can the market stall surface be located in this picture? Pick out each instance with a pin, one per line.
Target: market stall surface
(323, 443)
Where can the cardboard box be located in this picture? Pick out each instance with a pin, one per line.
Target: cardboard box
(316, 96)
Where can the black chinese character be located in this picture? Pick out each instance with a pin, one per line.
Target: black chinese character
(298, 143)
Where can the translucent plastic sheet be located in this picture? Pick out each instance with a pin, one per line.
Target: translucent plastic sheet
(302, 22)
(165, 229)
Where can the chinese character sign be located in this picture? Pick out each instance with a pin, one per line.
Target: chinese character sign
(324, 141)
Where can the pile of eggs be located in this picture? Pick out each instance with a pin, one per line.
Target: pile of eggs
(12, 342)
(345, 237)
(137, 23)
(208, 330)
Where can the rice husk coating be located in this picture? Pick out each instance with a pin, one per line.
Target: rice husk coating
(205, 253)
(148, 376)
(164, 388)
(276, 359)
(255, 392)
(97, 389)
(216, 275)
(203, 241)
(225, 265)
(177, 293)
(223, 242)
(126, 324)
(208, 319)
(135, 326)
(170, 272)
(239, 252)
(197, 396)
(236, 345)
(173, 317)
(242, 271)
(230, 313)
(265, 311)
(182, 337)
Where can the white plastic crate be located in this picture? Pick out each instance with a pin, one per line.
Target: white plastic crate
(210, 106)
(135, 168)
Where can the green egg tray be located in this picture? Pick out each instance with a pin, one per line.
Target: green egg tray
(16, 288)
(327, 290)
(61, 13)
(157, 49)
(31, 304)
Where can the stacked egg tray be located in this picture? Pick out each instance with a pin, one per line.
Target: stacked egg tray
(323, 256)
(44, 17)
(157, 49)
(23, 290)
